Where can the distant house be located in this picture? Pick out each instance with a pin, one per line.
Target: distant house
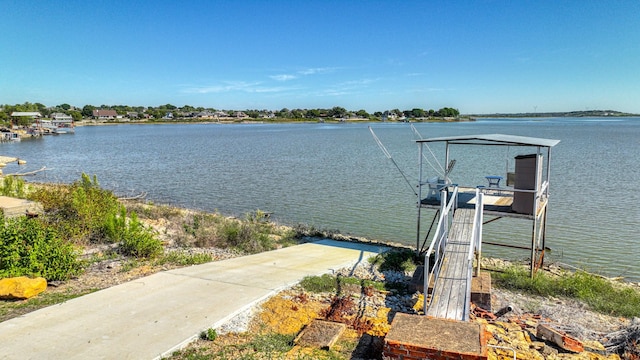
(390, 116)
(105, 114)
(61, 117)
(132, 114)
(240, 115)
(206, 114)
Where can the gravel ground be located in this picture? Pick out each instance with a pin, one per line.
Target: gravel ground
(569, 315)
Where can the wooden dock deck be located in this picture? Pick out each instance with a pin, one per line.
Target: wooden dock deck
(497, 202)
(452, 288)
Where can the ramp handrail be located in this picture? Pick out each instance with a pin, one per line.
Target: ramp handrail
(439, 240)
(476, 243)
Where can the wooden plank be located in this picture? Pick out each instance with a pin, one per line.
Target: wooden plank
(457, 280)
(442, 292)
(456, 306)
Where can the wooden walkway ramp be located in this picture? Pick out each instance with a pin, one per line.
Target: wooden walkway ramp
(452, 289)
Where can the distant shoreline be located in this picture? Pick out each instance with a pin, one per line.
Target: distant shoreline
(569, 114)
(245, 122)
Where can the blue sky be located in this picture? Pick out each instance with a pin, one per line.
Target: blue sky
(476, 56)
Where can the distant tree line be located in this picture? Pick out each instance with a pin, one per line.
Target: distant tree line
(159, 113)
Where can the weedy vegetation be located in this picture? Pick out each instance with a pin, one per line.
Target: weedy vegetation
(600, 294)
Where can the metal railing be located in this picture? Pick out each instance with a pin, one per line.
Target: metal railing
(474, 248)
(439, 242)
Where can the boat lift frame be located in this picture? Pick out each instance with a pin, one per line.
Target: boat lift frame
(540, 193)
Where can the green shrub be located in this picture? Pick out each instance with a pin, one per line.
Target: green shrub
(78, 210)
(319, 284)
(30, 248)
(178, 258)
(272, 343)
(244, 237)
(260, 346)
(396, 260)
(330, 283)
(210, 334)
(130, 264)
(93, 204)
(201, 230)
(115, 226)
(135, 239)
(149, 210)
(364, 283)
(192, 229)
(13, 186)
(251, 235)
(234, 233)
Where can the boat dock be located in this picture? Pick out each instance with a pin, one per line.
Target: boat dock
(497, 202)
(524, 196)
(445, 332)
(452, 260)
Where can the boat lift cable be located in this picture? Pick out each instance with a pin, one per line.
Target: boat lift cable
(426, 238)
(442, 170)
(388, 155)
(417, 133)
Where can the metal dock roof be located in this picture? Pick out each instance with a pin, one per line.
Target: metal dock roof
(493, 139)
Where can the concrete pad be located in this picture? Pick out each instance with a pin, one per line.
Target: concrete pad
(153, 316)
(13, 207)
(320, 334)
(419, 337)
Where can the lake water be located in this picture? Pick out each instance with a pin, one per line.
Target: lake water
(334, 177)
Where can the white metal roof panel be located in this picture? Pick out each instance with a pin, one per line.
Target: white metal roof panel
(25, 113)
(494, 139)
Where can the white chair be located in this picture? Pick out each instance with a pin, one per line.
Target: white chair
(436, 184)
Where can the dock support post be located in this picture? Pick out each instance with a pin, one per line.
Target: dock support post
(419, 199)
(533, 249)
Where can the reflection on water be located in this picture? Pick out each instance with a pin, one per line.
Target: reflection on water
(335, 177)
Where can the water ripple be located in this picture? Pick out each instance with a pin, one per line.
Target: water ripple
(335, 177)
